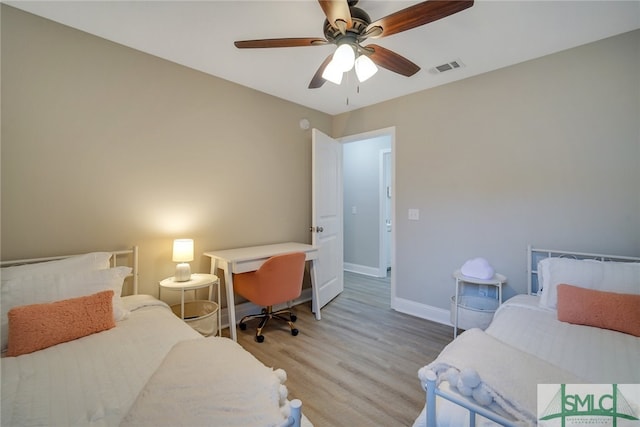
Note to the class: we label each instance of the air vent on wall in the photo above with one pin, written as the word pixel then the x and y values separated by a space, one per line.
pixel 446 67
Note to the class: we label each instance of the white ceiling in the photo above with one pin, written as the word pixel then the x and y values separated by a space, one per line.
pixel 200 34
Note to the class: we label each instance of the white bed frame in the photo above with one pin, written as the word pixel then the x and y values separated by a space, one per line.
pixel 534 255
pixel 125 257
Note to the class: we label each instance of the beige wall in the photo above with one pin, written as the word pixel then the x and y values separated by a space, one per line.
pixel 546 152
pixel 104 147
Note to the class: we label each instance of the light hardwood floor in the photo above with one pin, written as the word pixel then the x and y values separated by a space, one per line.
pixel 358 366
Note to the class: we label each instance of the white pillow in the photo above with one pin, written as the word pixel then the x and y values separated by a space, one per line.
pixel 85 262
pixel 41 288
pixel 610 276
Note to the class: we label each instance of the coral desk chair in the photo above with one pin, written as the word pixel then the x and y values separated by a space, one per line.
pixel 277 281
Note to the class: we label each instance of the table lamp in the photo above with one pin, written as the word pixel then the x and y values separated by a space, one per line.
pixel 182 254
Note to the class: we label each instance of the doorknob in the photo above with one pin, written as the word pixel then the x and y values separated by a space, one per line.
pixel 316 229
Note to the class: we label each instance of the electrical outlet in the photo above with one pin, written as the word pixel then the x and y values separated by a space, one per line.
pixel 483 290
pixel 414 214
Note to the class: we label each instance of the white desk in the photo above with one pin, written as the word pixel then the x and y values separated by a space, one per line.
pixel 242 260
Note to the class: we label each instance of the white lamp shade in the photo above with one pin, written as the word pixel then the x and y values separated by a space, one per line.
pixel 183 250
pixel 344 57
pixel 365 68
pixel 332 73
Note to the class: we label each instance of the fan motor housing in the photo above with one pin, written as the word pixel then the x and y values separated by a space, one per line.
pixel 360 20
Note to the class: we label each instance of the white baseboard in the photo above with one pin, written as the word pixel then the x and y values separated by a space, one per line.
pixel 247 308
pixel 422 311
pixel 363 269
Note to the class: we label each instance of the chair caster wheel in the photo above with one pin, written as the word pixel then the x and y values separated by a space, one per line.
pixel 260 338
pixel 294 332
pixel 294 317
pixel 243 326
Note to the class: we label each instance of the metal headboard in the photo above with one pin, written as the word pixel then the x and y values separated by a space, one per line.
pixel 125 257
pixel 534 255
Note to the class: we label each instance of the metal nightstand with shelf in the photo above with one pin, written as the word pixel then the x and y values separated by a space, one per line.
pixel 480 315
pixel 197 313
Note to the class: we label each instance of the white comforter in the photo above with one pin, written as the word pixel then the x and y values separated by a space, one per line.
pixel 222 390
pixel 91 381
pixel 600 356
pixel 591 354
pixel 94 381
pixel 476 353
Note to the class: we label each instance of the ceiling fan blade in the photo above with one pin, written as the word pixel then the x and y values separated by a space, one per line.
pixel 317 80
pixel 337 13
pixel 391 60
pixel 289 42
pixel 417 15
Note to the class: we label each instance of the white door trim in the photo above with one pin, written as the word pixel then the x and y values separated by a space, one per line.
pixel 382 202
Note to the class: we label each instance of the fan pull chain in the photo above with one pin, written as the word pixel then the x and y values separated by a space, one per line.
pixel 357 91
pixel 348 85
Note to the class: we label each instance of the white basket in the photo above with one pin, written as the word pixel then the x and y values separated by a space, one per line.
pixel 201 315
pixel 473 311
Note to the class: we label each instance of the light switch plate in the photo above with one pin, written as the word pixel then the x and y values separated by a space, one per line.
pixel 414 214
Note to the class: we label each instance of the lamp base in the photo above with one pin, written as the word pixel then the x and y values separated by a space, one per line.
pixel 183 272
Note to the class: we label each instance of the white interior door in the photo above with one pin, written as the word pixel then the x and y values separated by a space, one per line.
pixel 326 215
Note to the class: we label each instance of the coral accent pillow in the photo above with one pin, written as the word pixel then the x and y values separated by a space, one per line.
pixel 38 326
pixel 45 288
pixel 607 310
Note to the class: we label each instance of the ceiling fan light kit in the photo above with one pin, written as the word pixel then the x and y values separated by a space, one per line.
pixel 365 68
pixel 347 26
pixel 333 73
pixel 344 57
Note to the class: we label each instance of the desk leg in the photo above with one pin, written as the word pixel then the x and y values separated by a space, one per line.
pixel 315 293
pixel 231 304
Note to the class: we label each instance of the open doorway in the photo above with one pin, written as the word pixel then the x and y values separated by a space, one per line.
pixel 368 203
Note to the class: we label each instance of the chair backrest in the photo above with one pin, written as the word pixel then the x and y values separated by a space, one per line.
pixel 278 280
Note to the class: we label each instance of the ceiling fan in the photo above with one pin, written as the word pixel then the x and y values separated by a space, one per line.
pixel 347 26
